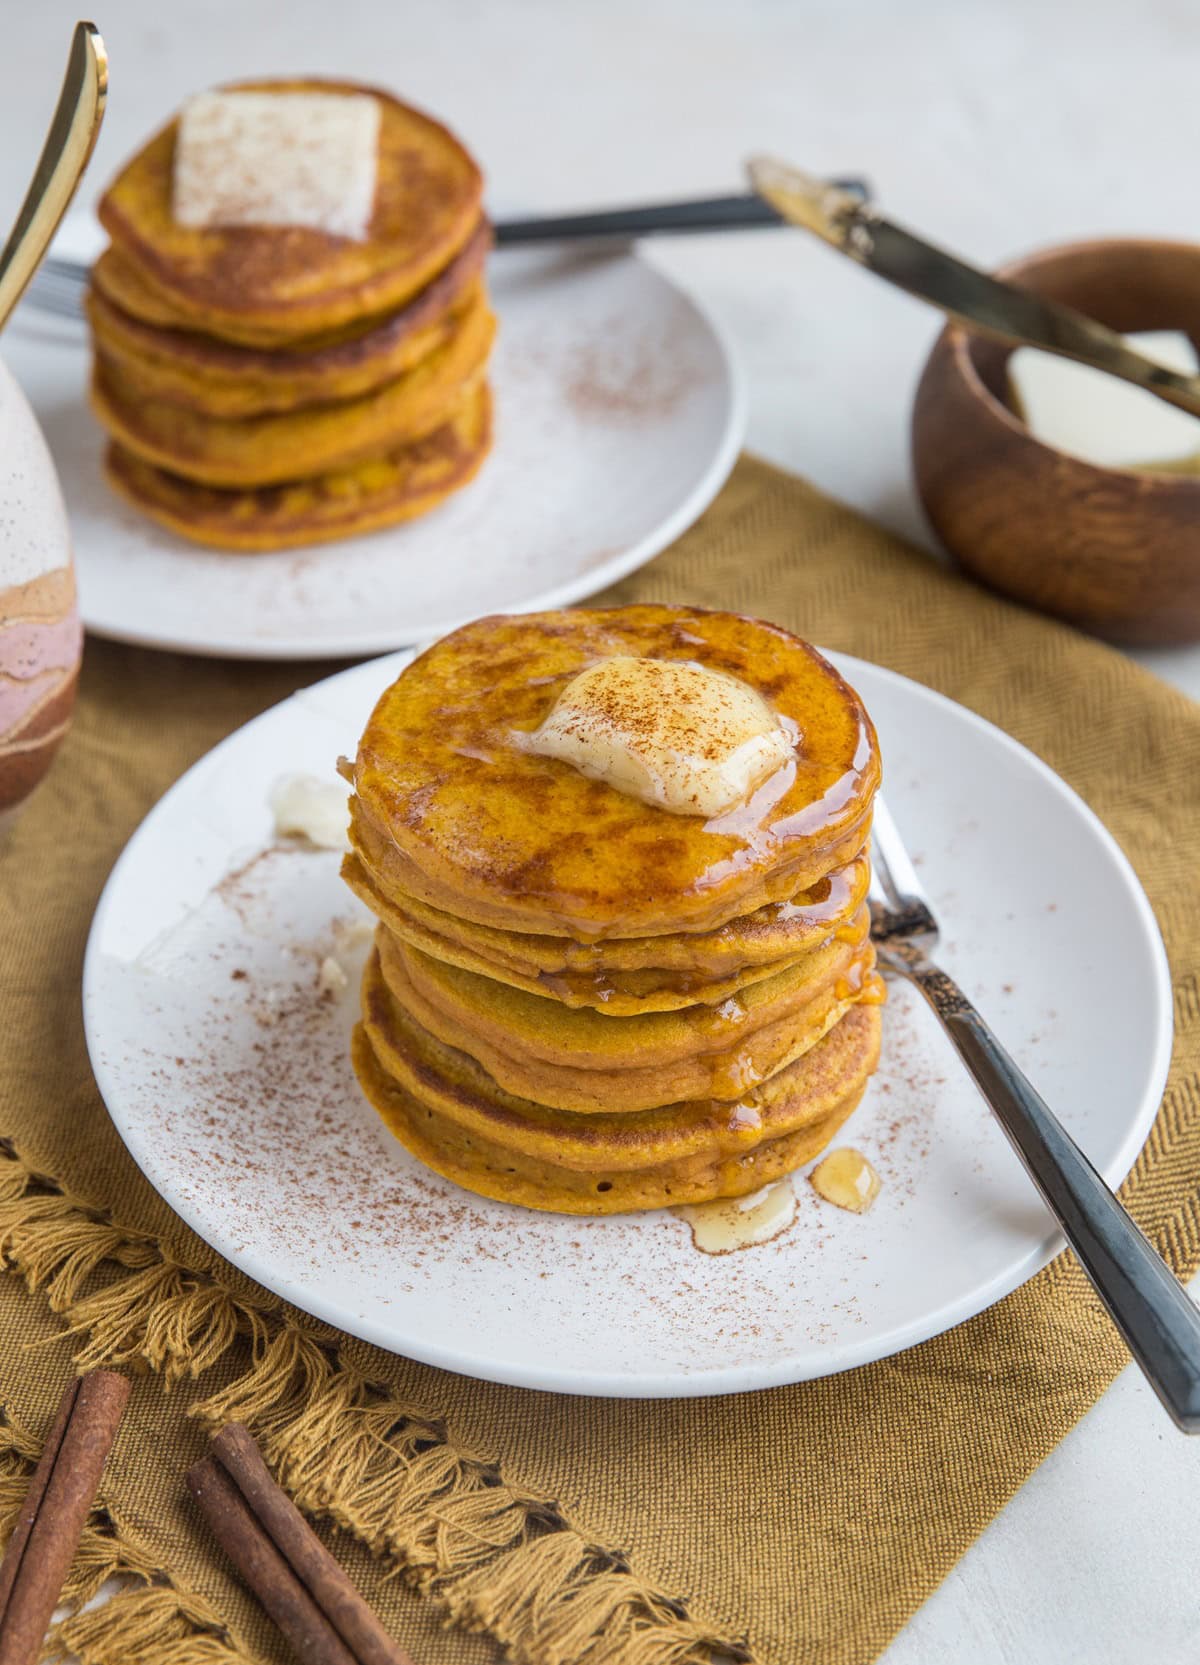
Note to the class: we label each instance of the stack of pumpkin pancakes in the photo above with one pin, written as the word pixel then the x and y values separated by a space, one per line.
pixel 268 386
pixel 583 1002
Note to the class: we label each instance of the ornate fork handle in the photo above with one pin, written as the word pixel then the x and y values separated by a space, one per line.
pixel 1152 1310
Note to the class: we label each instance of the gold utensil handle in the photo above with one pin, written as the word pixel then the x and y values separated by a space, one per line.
pixel 65 155
pixel 984 304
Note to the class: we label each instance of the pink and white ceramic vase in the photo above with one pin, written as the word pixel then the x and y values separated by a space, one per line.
pixel 41 640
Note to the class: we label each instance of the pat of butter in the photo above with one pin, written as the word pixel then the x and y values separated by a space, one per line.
pixel 673 733
pixel 306 807
pixel 1099 419
pixel 277 159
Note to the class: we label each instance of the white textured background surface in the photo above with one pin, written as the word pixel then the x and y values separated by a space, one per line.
pixel 994 128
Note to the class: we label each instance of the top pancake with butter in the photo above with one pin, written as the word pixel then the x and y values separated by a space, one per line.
pixel 269 284
pixel 488 829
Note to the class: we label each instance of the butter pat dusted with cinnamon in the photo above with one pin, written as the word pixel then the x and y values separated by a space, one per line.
pixel 673 733
pixel 277 159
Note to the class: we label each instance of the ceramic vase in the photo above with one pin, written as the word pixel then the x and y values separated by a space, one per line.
pixel 40 635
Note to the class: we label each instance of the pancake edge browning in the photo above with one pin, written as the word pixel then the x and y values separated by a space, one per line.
pixel 615 990
pixel 767 937
pixel 232 453
pixel 349 503
pixel 218 379
pixel 460 1089
pixel 727 1075
pixel 507 1176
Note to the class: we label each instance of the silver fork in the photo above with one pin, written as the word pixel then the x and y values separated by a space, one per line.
pixel 1152 1310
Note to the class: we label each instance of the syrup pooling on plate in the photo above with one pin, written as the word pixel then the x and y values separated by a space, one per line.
pixel 721 1227
pixel 846 1179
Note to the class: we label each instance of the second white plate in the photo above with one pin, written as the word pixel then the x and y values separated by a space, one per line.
pixel 226 1069
pixel 619 414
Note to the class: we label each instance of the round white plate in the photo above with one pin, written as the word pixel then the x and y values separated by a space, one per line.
pixel 226 1072
pixel 619 414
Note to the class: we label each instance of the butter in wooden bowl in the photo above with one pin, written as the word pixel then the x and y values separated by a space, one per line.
pixel 1078 495
pixel 1102 420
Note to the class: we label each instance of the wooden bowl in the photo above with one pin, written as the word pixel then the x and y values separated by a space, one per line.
pixel 1114 551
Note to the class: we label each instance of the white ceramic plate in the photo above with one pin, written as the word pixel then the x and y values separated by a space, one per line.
pixel 227 1075
pixel 618 417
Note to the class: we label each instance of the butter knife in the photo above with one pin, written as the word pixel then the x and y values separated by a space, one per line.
pixel 986 305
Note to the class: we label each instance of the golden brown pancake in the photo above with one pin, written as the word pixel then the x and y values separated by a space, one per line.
pixel 121 283
pixel 410 481
pixel 484 829
pixel 565 966
pixel 219 379
pixel 498 1171
pixel 275 285
pixel 584 1061
pixel 454 1085
pixel 579 1001
pixel 618 975
pixel 268 450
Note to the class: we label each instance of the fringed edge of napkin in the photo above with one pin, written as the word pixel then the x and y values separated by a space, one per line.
pixel 148 1620
pixel 493 1558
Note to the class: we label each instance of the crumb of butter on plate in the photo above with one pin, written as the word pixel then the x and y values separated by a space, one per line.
pixel 305 807
pixel 277 159
pixel 332 981
pixel 1102 420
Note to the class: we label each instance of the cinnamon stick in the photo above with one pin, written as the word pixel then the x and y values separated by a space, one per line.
pixel 14 1550
pixel 263 1568
pixel 291 1572
pixel 61 1492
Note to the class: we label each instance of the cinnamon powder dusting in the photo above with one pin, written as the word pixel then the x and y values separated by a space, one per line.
pixel 253 1123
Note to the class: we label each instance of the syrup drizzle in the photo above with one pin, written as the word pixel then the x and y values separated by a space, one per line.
pixel 846 1179
pixel 731 1223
